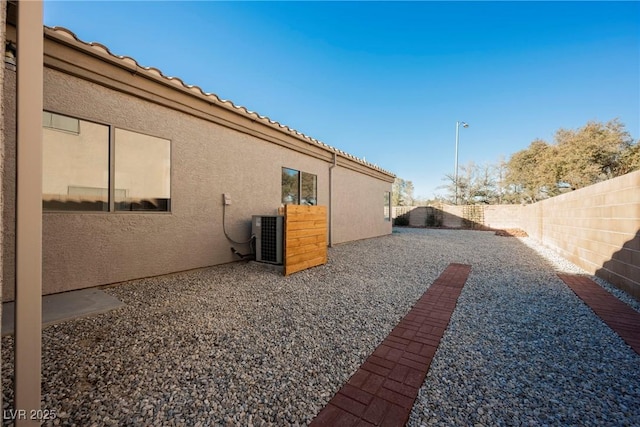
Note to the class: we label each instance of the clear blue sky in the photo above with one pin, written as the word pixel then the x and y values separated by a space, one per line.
pixel 387 81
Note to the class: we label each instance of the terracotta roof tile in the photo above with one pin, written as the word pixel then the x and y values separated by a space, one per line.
pixel 131 62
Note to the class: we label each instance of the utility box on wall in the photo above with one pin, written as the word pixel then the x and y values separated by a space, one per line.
pixel 269 233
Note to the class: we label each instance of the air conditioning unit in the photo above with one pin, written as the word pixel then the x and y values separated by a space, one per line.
pixel 269 234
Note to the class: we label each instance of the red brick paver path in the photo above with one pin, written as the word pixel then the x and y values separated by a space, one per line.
pixel 384 388
pixel 624 320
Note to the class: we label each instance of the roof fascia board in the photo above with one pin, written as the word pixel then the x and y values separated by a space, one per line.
pixel 67 54
pixel 132 85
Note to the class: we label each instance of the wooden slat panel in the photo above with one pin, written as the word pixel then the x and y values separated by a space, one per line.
pixel 307 225
pixel 300 258
pixel 306 247
pixel 304 209
pixel 305 265
pixel 305 237
pixel 307 240
pixel 310 217
pixel 313 250
pixel 294 234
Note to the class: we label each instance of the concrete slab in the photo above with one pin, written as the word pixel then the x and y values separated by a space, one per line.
pixel 58 308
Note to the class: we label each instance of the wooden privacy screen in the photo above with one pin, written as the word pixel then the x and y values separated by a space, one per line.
pixel 305 235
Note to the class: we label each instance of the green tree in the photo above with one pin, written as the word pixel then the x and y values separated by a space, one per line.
pixel 402 193
pixel 532 173
pixel 577 158
pixel 630 159
pixel 592 153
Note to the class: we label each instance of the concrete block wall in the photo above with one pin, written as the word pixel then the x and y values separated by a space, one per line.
pixel 493 216
pixel 502 216
pixel 596 228
pixel 397 211
pixel 452 216
pixel 418 216
pixel 531 220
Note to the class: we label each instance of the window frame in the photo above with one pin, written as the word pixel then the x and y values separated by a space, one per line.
pixel 112 173
pixel 106 151
pixel 387 205
pixel 111 209
pixel 300 175
pixel 315 188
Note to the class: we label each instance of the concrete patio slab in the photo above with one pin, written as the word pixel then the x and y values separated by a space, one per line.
pixel 64 306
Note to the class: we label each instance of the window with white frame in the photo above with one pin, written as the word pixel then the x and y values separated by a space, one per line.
pixel 83 172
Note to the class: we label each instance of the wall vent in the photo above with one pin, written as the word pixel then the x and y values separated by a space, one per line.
pixel 269 234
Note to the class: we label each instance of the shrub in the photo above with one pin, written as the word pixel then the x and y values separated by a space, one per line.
pixel 402 220
pixel 433 220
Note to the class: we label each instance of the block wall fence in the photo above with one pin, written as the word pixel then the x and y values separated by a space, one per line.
pixel 596 227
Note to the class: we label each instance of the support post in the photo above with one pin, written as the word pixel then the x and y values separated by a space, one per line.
pixel 28 299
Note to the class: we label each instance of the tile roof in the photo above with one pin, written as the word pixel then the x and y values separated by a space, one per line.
pixel 212 97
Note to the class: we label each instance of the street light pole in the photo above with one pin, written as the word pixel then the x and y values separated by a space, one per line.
pixel 464 125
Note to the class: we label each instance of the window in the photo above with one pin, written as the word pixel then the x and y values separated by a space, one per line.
pixel 308 189
pixel 142 172
pixel 290 183
pixel 75 158
pixel 82 172
pixel 387 206
pixel 299 188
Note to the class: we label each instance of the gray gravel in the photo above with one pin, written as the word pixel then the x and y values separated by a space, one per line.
pixel 523 350
pixel 241 345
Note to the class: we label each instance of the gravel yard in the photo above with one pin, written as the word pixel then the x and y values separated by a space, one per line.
pixel 240 344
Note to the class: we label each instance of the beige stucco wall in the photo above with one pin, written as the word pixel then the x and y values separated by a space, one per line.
pixel 84 249
pixel 358 206
pixel 95 248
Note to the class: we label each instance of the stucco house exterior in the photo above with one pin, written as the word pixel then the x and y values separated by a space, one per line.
pixel 110 171
pixel 135 165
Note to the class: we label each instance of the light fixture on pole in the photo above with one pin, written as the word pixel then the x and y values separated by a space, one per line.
pixel 464 125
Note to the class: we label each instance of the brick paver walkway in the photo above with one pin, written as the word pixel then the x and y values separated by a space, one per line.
pixel 624 320
pixel 384 388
